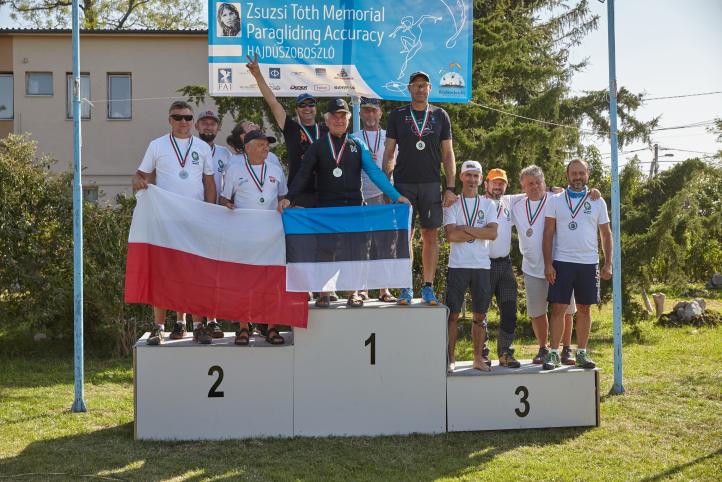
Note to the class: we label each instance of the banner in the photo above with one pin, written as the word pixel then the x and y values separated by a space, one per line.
pixel 334 48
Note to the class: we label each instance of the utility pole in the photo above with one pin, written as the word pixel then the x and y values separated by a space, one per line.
pixel 654 167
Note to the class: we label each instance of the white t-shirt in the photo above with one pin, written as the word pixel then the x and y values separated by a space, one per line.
pixel 161 158
pixel 576 238
pixel 474 254
pixel 368 188
pixel 220 160
pixel 240 186
pixel 531 235
pixel 501 246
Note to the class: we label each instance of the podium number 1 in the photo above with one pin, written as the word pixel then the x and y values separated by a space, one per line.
pixel 213 393
pixel 524 392
pixel 371 340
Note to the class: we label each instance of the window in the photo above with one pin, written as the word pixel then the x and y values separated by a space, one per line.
pixel 90 194
pixel 119 95
pixel 6 96
pixel 39 83
pixel 84 94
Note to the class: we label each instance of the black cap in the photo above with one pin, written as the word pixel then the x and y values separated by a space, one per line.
pixel 253 135
pixel 419 73
pixel 337 105
pixel 304 97
pixel 368 101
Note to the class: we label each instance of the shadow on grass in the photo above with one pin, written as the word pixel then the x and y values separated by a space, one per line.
pixel 680 467
pixel 113 453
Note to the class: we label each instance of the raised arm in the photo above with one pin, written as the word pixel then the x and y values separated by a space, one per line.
pixel 279 113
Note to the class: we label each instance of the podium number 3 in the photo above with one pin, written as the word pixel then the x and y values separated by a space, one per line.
pixel 213 393
pixel 371 340
pixel 524 392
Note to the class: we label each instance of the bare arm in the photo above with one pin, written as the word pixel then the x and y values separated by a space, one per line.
pixel 209 188
pixel 389 161
pixel 449 160
pixel 279 113
pixel 550 226
pixel 487 232
pixel 457 234
pixel 142 179
pixel 226 202
pixel 607 247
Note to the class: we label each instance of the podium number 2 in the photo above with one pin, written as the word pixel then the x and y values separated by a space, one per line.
pixel 371 340
pixel 213 393
pixel 524 392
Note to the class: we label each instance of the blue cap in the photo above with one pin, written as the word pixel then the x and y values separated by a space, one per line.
pixel 304 97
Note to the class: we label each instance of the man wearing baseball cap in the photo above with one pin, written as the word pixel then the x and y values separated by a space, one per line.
pixel 299 134
pixel 338 159
pixel 423 135
pixel 469 223
pixel 207 125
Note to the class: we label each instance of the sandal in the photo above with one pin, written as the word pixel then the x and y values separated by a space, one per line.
pixel 388 298
pixel 274 337
pixel 355 301
pixel 323 302
pixel 364 296
pixel 243 337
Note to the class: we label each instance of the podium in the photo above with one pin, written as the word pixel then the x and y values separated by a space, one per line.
pixel 376 370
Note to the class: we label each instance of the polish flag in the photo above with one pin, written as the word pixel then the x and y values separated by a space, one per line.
pixel 194 257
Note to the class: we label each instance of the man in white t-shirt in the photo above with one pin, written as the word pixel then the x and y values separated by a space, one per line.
pixel 469 223
pixel 255 184
pixel 207 126
pixel 179 163
pixel 571 260
pixel 236 138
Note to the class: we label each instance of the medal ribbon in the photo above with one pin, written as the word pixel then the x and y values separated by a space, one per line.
pixel 312 139
pixel 575 209
pixel 258 182
pixel 535 215
pixel 419 132
pixel 337 157
pixel 177 150
pixel 213 150
pixel 375 149
pixel 499 207
pixel 470 218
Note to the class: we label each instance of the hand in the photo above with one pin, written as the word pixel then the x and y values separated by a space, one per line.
pixel 229 205
pixel 550 274
pixel 253 66
pixel 449 198
pixel 557 189
pixel 283 204
pixel 139 183
pixel 594 194
pixel 403 200
pixel 606 272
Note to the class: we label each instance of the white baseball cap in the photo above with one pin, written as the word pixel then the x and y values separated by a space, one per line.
pixel 471 166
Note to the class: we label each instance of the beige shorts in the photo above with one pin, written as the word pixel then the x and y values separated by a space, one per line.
pixel 536 297
pixel 375 201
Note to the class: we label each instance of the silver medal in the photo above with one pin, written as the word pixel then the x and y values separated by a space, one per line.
pixel 337 172
pixel 529 232
pixel 471 241
pixel 261 200
pixel 183 174
pixel 573 225
pixel 420 145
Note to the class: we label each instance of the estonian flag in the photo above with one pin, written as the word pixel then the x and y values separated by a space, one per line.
pixel 348 248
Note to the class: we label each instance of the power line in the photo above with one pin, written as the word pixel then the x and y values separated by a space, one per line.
pixel 683 95
pixel 586 131
pixel 686 126
pixel 685 150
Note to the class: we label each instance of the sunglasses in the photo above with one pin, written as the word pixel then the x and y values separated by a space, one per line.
pixel 180 117
pixel 419 85
pixel 306 104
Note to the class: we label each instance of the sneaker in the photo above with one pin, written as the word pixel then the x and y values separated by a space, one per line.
pixel 179 331
pixel 507 359
pixel 485 354
pixel 551 361
pixel 427 294
pixel 541 355
pixel 567 358
pixel 583 360
pixel 156 336
pixel 407 294
pixel 215 329
pixel 202 335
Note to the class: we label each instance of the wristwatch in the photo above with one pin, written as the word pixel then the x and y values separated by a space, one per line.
pixel 452 189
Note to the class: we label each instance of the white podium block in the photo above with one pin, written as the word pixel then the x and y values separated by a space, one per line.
pixel 376 370
pixel 187 391
pixel 525 397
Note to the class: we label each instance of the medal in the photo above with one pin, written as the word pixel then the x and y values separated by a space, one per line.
pixel 182 161
pixel 261 201
pixel 532 217
pixel 376 144
pixel 574 209
pixel 420 131
pixel 337 156
pixel 470 217
pixel 573 225
pixel 308 134
pixel 258 182
pixel 529 232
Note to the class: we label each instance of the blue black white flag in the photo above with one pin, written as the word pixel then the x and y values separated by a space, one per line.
pixel 348 248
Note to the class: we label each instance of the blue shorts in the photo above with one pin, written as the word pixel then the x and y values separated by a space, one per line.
pixel 580 279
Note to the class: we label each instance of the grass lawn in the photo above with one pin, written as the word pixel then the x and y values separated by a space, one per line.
pixel 667 426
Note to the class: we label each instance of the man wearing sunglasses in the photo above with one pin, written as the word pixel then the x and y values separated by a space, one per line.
pixel 180 163
pixel 299 134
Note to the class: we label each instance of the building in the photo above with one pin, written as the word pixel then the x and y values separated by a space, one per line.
pixel 130 77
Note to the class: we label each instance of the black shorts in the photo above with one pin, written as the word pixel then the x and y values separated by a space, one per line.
pixel 580 279
pixel 459 279
pixel 425 198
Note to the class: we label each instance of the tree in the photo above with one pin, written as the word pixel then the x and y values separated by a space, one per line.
pixel 110 14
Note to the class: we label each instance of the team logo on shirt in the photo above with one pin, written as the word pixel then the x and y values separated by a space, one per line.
pixel 353 148
pixel 220 166
pixel 242 180
pixel 272 179
pixel 507 214
pixel 587 207
pixel 480 218
pixel 194 155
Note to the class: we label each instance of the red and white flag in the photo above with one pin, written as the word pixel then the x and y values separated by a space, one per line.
pixel 194 257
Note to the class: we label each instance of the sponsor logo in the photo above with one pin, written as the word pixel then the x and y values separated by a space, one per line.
pixel 343 75
pixel 274 72
pixel 452 79
pixel 299 87
pixel 274 86
pixel 225 75
pixel 248 86
pixel 320 72
pixel 344 87
pixel 321 87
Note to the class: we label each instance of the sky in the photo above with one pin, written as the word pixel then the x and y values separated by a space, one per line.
pixel 664 48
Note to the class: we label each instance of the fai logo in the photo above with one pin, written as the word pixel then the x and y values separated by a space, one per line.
pixel 274 72
pixel 224 78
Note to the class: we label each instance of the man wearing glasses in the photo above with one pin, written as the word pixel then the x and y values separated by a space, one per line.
pixel 299 134
pixel 180 163
pixel 423 135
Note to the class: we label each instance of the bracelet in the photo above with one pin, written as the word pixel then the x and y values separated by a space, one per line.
pixel 452 189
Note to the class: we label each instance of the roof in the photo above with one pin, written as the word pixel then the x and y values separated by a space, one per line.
pixel 67 31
